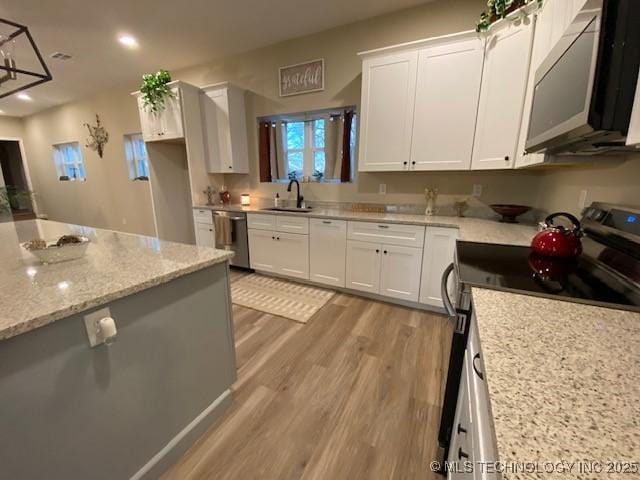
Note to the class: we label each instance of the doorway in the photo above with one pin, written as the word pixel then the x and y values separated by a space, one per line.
pixel 16 197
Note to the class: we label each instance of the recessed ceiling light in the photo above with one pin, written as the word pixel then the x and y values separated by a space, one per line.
pixel 24 96
pixel 128 41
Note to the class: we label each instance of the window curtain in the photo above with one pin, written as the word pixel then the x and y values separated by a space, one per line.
pixel 276 152
pixel 338 147
pixel 264 151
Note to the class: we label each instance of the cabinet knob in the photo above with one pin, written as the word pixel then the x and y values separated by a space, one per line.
pixel 377 251
pixel 506 158
pixel 404 163
pixel 413 163
pixel 211 229
pixel 385 252
pixel 230 167
pixel 273 238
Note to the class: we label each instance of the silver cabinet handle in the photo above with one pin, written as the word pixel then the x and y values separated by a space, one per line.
pixel 448 306
pixel 475 369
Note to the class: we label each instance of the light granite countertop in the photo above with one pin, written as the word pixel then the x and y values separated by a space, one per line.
pixel 471 229
pixel 564 381
pixel 116 265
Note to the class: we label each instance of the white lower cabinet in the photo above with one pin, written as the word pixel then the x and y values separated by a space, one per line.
pixel 292 255
pixel 388 270
pixel 283 253
pixel 205 235
pixel 328 251
pixel 439 251
pixel 363 266
pixel 400 272
pixel 262 250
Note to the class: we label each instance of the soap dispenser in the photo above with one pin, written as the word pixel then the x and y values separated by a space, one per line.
pixel 276 201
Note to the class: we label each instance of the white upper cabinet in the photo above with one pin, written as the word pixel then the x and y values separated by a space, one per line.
pixel 502 94
pixel 165 125
pixel 224 118
pixel 541 46
pixel 446 104
pixel 388 94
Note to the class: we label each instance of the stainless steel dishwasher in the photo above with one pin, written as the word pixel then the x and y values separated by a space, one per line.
pixel 231 234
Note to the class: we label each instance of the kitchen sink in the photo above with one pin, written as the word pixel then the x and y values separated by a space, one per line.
pixel 288 210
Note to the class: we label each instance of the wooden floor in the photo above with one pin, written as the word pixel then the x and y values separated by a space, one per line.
pixel 353 394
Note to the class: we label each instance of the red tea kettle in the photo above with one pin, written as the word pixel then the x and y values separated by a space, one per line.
pixel 556 240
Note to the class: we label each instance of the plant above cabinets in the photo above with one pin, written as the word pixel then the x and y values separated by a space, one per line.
pixel 155 91
pixel 498 9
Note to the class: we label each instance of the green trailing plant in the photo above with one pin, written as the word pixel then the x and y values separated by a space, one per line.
pixel 497 9
pixel 155 91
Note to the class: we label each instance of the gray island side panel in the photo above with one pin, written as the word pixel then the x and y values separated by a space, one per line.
pixel 70 411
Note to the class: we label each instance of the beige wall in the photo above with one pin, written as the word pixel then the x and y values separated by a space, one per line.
pixel 107 199
pixel 109 196
pixel 607 181
pixel 11 127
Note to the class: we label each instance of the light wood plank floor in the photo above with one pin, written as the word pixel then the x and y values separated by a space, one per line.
pixel 353 394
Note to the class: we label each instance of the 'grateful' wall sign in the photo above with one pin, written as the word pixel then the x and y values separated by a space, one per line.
pixel 302 78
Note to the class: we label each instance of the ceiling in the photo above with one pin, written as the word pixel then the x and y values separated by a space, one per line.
pixel 170 35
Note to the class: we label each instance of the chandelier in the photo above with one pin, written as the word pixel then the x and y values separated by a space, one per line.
pixel 21 64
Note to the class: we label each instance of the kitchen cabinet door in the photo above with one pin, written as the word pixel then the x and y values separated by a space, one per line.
pixel 328 251
pixel 171 117
pixel 223 109
pixel 292 255
pixel 205 235
pixel 541 47
pixel 388 95
pixel 363 266
pixel 502 94
pixel 446 105
pixel 400 272
pixel 165 125
pixel 439 250
pixel 263 250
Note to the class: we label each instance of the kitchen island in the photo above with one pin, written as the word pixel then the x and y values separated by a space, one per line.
pixel 129 409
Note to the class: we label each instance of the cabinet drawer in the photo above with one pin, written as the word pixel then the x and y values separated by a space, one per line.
pixel 387 233
pixel 290 224
pixel 261 221
pixel 201 215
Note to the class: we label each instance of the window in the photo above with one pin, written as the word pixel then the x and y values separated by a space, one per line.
pixel 135 153
pixel 308 146
pixel 68 160
pixel 304 148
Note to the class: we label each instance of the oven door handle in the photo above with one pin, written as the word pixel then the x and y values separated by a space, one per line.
pixel 448 306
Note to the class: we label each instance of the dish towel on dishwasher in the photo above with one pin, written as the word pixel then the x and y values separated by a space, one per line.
pixel 223 230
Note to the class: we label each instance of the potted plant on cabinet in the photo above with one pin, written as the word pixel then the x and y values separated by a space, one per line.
pixel 155 91
pixel 497 9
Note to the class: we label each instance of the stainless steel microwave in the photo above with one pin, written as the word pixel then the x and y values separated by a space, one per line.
pixel 585 88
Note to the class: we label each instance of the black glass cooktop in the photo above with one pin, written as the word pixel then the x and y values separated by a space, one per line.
pixel 601 276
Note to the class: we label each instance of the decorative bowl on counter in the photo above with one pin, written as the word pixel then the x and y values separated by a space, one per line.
pixel 509 212
pixel 67 247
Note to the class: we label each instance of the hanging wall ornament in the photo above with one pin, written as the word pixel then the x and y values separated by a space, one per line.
pixel 98 137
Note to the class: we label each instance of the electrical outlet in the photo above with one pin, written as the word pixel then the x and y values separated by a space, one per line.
pixel 477 190
pixel 92 324
pixel 582 200
pixel 382 189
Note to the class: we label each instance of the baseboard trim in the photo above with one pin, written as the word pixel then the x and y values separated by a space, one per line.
pixel 179 444
pixel 358 293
